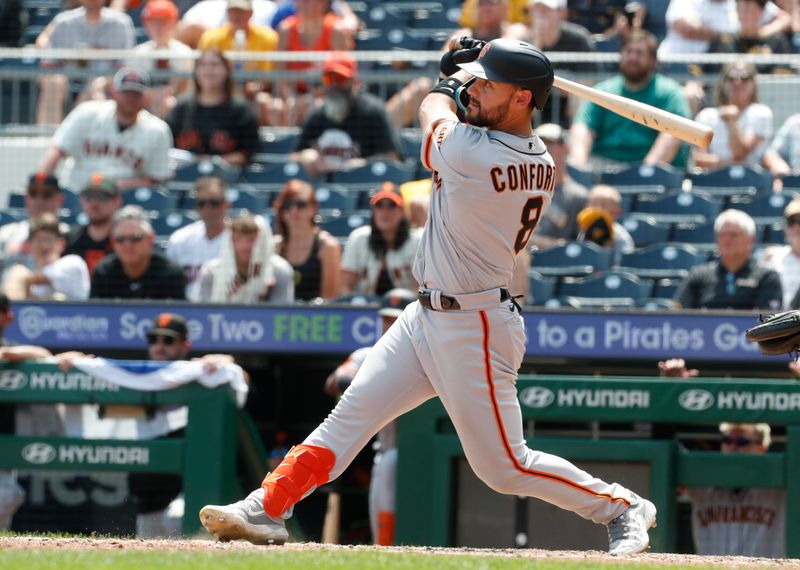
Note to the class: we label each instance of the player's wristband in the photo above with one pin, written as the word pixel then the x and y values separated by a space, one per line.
pixel 454 89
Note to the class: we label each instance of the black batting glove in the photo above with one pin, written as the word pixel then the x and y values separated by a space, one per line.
pixel 469 51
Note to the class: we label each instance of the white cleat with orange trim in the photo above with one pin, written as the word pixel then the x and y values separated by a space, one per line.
pixel 244 520
pixel 627 534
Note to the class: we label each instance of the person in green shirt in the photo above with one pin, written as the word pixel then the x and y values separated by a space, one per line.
pixel 600 138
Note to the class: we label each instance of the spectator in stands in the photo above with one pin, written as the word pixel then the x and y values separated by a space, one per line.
pixel 100 199
pixel 52 277
pixel 209 14
pixel 240 34
pixel 735 280
pixel 135 270
pixel 349 127
pixel 742 126
pixel 603 138
pixel 785 259
pixel 379 257
pixel 693 24
pixel 491 21
pixel 212 121
pixel 608 18
pixel 11 494
pixel 118 138
pixel 160 20
pixel 783 155
pixel 43 195
pixel 550 31
pixel 91 25
pixel 598 222
pixel 517 12
pixel 314 254
pixel 740 521
pixel 559 224
pixel 159 501
pixel 247 271
pixel 749 39
pixel 314 27
pixel 193 245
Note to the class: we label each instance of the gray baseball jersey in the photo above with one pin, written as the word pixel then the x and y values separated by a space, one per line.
pixel 479 177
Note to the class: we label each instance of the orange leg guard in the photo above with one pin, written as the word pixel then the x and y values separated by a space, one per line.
pixel 304 468
pixel 385 529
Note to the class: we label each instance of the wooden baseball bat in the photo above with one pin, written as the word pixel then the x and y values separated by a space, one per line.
pixel 644 114
pixel 330 527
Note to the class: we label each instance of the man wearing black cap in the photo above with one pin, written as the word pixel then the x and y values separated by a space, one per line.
pixel 42 196
pixel 119 138
pixel 11 494
pixel 100 199
pixel 381 486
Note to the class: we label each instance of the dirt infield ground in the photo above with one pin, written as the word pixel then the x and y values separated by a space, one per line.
pixel 88 544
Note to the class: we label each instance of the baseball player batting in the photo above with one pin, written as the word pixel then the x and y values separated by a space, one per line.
pixel 464 339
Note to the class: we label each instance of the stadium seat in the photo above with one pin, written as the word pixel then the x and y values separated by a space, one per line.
pixel 606 303
pixel 410 143
pixel 383 18
pixel 356 299
pixel 734 178
pixel 168 222
pixel 217 168
pixel 774 234
pixel 585 177
pixel 573 259
pixel 605 285
pixel 341 226
pixel 71 200
pixel 656 304
pixel 791 182
pixel 767 208
pixel 273 173
pixel 273 142
pixel 541 289
pixel 646 231
pixel 679 207
pixel 441 18
pixel 661 261
pixel 334 197
pixel 665 288
pixel 150 199
pixel 6 218
pixel 16 201
pixel 247 198
pixel 644 175
pixel 374 172
pixel 700 236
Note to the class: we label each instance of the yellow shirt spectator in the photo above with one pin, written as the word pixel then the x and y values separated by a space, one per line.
pixel 259 38
pixel 517 12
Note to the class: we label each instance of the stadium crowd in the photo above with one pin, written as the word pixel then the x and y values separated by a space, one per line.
pixel 159 181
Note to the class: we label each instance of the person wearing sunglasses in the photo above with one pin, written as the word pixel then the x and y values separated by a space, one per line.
pixel 100 199
pixel 740 521
pixel 134 270
pixel 742 126
pixel 349 127
pixel 735 280
pixel 193 245
pixel 785 259
pixel 379 256
pixel 43 195
pixel 315 255
pixel 159 502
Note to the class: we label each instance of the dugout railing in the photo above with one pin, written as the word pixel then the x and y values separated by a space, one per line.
pixel 428 445
pixel 205 457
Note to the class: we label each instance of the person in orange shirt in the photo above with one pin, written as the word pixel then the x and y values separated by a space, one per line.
pixel 239 34
pixel 517 12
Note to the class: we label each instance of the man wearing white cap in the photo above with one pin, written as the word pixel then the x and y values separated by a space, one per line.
pixel 118 138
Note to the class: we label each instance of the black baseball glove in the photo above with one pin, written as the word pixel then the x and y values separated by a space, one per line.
pixel 777 334
pixel 469 51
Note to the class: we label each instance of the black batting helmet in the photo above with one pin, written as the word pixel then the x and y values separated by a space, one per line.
pixel 515 62
pixel 394 301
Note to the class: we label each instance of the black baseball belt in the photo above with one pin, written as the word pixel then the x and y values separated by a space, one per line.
pixel 450 303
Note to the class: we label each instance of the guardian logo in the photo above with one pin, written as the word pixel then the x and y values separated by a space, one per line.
pixel 11 380
pixel 537 397
pixel 38 453
pixel 696 400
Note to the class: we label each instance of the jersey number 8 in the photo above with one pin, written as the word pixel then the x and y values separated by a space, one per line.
pixel 530 217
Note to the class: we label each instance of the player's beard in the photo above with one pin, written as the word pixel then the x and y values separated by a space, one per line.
pixel 488 118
